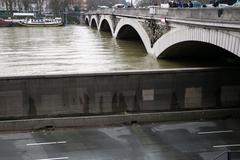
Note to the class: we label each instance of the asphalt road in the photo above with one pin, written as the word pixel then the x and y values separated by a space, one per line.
pixel 198 140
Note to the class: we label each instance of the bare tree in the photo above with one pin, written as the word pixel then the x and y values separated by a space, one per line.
pixel 9 5
pixel 26 4
pixel 19 4
pixel 40 5
pixel 54 5
pixel 58 6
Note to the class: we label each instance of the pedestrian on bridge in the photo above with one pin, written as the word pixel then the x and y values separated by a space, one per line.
pixel 190 4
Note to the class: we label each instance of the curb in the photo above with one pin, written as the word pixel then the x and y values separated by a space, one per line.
pixel 88 121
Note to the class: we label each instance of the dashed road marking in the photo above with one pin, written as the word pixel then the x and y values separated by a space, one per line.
pixel 226 145
pixel 60 158
pixel 46 143
pixel 215 132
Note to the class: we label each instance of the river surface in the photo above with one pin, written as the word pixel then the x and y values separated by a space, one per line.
pixel 73 50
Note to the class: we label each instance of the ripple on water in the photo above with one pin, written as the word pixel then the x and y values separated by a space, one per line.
pixel 71 49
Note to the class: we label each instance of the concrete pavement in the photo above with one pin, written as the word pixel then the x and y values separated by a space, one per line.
pixel 196 140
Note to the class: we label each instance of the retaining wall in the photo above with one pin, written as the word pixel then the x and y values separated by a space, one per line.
pixel 107 93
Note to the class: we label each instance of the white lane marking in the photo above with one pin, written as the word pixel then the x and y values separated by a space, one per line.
pixel 46 143
pixel 60 158
pixel 216 132
pixel 227 145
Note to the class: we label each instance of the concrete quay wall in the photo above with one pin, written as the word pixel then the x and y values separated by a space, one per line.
pixel 121 92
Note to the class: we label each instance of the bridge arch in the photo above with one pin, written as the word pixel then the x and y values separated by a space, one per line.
pixel 219 39
pixel 127 23
pixel 87 21
pixel 94 22
pixel 105 24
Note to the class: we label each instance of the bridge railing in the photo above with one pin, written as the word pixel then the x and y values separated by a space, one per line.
pixel 203 14
pixel 135 12
pixel 206 14
pixel 124 12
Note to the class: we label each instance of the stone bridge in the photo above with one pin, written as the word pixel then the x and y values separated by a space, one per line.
pixel 166 32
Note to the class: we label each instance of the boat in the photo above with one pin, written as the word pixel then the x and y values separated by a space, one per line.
pixel 55 22
pixel 4 23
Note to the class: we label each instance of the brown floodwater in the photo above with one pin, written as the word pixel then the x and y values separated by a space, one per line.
pixel 73 50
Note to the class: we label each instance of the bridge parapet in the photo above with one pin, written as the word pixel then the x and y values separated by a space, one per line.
pixel 203 14
pixel 206 14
